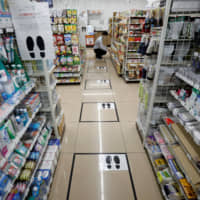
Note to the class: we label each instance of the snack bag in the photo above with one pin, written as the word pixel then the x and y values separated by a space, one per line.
pixel 67 28
pixel 74 12
pixel 69 51
pixel 63 60
pixel 75 50
pixel 68 39
pixel 58 51
pixel 76 60
pixel 69 12
pixel 73 28
pixel 69 60
pixel 75 39
pixel 54 28
pixel 60 39
pixel 60 28
pixel 63 50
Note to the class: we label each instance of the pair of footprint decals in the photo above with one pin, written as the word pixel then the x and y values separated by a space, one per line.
pixel 106 105
pixel 115 160
pixel 100 67
pixel 31 45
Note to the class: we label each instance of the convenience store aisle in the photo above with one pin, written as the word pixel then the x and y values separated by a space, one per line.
pixel 102 157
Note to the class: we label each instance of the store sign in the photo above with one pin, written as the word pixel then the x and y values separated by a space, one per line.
pixel 33 29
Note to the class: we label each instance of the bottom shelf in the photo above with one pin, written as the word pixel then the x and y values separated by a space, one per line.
pixel 155 173
pixel 69 81
pixel 131 80
pixel 140 129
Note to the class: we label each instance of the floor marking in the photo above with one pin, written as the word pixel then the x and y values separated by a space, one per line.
pixel 113 162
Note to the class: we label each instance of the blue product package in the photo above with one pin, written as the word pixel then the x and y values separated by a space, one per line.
pixel 44 174
pixel 34 126
pixel 54 142
pixel 35 191
pixel 4 181
pixel 175 169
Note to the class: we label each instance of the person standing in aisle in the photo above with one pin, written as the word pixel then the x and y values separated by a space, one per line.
pixel 99 47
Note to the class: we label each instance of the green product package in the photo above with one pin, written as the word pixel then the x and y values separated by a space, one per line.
pixel 10 129
pixel 141 91
pixel 146 100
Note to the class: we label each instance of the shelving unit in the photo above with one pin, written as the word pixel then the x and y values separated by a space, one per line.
pixel 119 32
pixel 31 114
pixel 8 107
pixel 134 62
pixel 46 86
pixel 36 167
pixel 174 72
pixel 26 157
pixel 66 36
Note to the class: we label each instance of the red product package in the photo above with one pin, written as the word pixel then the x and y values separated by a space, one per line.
pixel 60 39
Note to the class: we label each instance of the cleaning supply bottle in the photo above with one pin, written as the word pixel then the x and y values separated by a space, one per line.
pixel 6 82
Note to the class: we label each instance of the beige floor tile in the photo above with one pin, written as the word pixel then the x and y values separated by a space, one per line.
pixel 132 139
pixel 70 137
pixel 100 137
pixel 97 84
pixel 126 93
pixel 143 177
pixel 61 178
pixel 70 96
pixel 94 112
pixel 72 111
pixel 96 76
pixel 90 183
pixel 127 111
pixel 68 88
pixel 101 68
pixel 97 96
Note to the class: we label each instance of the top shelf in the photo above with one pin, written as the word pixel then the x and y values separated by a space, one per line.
pixel 7 108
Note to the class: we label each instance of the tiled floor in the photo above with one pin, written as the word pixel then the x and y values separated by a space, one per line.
pixel 79 175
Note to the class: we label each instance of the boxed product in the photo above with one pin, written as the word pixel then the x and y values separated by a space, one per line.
pixel 47 165
pixel 164 176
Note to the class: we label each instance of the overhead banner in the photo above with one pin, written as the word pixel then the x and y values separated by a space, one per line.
pixel 33 29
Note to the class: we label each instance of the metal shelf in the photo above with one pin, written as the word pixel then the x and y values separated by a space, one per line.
pixel 25 158
pixel 141 128
pixel 173 93
pixel 17 98
pixel 183 147
pixel 187 80
pixel 131 80
pixel 19 136
pixel 37 165
pixel 68 75
pixel 174 176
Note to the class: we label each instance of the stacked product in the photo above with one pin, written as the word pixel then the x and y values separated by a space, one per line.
pixel 26 158
pixel 171 178
pixel 43 176
pixel 66 41
pixel 133 64
pixel 175 132
pixel 119 32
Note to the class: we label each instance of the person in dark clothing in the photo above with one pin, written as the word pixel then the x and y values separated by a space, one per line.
pixel 99 48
